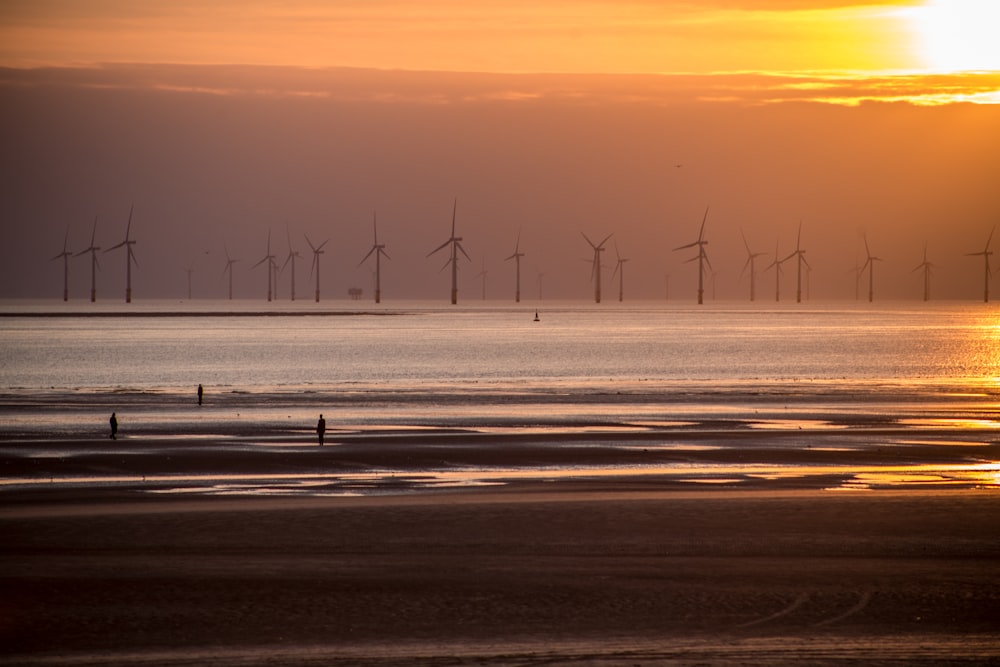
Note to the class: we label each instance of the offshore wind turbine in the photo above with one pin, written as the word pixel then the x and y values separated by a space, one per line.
pixel 620 270
pixel 129 257
pixel 189 269
pixel 702 257
pixel 94 265
pixel 516 256
pixel 926 266
pixel 870 265
pixel 482 274
pixel 751 257
pixel 986 252
pixel 378 249
pixel 801 255
pixel 271 264
pixel 456 245
pixel 777 272
pixel 595 266
pixel 292 254
pixel 229 269
pixel 65 254
pixel 316 251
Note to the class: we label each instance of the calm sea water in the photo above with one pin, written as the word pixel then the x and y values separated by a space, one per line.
pixel 255 346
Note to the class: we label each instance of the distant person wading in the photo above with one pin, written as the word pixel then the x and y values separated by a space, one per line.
pixel 114 426
pixel 201 392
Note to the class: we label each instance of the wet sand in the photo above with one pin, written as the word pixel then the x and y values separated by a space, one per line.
pixel 469 542
pixel 557 573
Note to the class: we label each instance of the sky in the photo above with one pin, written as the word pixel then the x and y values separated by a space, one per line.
pixel 831 124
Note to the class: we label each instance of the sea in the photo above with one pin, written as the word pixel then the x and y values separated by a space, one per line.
pixel 544 367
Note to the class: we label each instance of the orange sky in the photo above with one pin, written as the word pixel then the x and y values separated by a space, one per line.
pixel 224 120
pixel 641 36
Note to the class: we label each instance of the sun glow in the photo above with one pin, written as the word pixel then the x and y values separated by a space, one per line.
pixel 959 35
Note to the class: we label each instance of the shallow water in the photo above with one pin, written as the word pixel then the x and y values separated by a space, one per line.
pixel 847 377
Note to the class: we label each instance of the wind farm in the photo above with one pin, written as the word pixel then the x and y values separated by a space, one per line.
pixel 712 282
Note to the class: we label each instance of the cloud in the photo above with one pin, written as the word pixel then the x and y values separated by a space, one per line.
pixel 436 88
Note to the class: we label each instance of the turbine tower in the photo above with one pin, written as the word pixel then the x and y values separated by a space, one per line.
pixel 316 251
pixel 620 270
pixel 292 254
pixel 517 267
pixel 94 265
pixel 271 264
pixel 986 252
pixel 456 245
pixel 751 257
pixel 702 257
pixel 777 272
pixel 65 254
pixel 926 266
pixel 129 257
pixel 229 270
pixel 595 266
pixel 870 265
pixel 189 269
pixel 379 250
pixel 801 255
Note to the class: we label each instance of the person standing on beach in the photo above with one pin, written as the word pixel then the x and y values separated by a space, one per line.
pixel 321 429
pixel 114 426
pixel 200 392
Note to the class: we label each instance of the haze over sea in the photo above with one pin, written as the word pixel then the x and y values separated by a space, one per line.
pixel 663 374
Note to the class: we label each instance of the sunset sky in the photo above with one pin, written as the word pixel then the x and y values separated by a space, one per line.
pixel 223 120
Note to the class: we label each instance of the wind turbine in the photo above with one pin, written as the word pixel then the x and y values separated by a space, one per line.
pixel 986 252
pixel 926 266
pixel 316 251
pixel 229 270
pixel 777 272
pixel 189 269
pixel 751 257
pixel 94 265
pixel 517 267
pixel 702 257
pixel 620 270
pixel 801 254
pixel 271 264
pixel 129 257
pixel 65 254
pixel 482 274
pixel 292 254
pixel 595 266
pixel 456 244
pixel 870 265
pixel 379 249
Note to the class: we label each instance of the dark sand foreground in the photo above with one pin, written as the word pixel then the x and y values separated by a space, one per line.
pixel 529 574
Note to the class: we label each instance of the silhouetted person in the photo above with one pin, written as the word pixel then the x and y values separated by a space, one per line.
pixel 321 429
pixel 114 426
pixel 200 393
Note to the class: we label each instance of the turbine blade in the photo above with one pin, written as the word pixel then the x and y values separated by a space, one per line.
pixel 689 245
pixel 701 232
pixel 459 246
pixel 374 248
pixel 310 243
pixel 601 244
pixel 589 241
pixel 439 247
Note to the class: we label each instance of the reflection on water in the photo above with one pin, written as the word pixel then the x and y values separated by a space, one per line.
pixel 980 475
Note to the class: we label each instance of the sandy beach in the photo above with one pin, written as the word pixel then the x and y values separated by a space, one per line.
pixel 639 569
pixel 803 525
